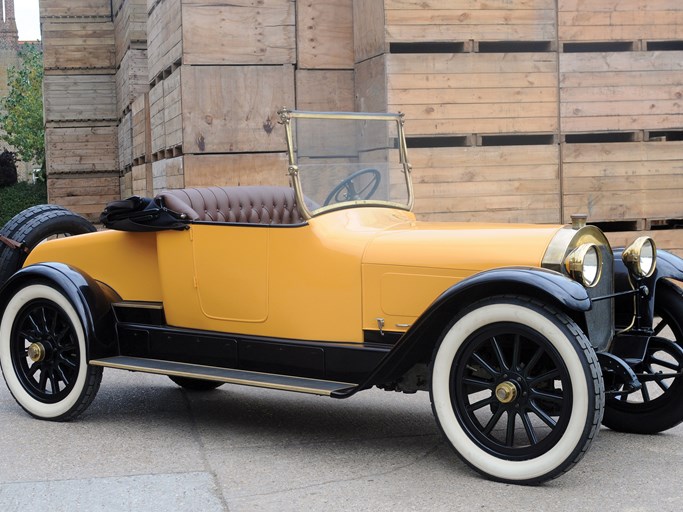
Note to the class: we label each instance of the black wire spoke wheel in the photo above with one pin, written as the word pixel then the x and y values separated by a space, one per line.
pixel 516 389
pixel 511 391
pixel 361 185
pixel 658 405
pixel 45 352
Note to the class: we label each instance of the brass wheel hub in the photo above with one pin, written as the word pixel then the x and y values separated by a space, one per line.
pixel 36 352
pixel 506 392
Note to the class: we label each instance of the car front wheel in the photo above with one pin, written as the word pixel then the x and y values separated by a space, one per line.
pixel 43 354
pixel 517 390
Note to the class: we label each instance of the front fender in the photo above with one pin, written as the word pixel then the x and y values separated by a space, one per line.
pixel 91 301
pixel 418 343
pixel 669 266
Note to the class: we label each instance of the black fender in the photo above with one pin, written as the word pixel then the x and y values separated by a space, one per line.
pixel 418 343
pixel 92 302
pixel 669 266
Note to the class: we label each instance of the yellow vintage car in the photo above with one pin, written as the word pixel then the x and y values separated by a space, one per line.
pixel 526 337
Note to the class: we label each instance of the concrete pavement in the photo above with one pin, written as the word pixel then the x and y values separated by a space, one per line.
pixel 145 444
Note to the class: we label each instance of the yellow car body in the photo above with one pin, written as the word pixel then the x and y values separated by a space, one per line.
pixel 524 335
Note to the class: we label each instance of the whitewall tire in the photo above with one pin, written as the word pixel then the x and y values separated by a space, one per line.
pixel 516 389
pixel 43 354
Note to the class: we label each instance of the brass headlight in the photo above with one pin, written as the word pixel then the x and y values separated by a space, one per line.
pixel 584 264
pixel 641 257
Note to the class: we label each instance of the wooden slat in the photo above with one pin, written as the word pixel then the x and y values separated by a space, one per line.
pixel 242 32
pixel 230 109
pixel 173 119
pixel 126 184
pixel 167 174
pixel 667 239
pixel 156 113
pixel 623 181
pixel 86 194
pixel 79 97
pixel 142 180
pixel 141 128
pixel 325 34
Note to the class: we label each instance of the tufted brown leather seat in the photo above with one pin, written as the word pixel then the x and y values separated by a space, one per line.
pixel 252 205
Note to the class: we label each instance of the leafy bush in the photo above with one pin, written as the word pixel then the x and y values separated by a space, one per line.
pixel 8 169
pixel 16 198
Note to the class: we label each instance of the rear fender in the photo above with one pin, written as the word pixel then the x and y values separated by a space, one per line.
pixel 418 343
pixel 91 300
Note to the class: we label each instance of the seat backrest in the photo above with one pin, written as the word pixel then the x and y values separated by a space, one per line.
pixel 251 205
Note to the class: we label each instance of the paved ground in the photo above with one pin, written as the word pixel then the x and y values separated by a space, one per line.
pixel 145 444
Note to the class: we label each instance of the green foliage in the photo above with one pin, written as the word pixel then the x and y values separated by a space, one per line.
pixel 8 169
pixel 19 197
pixel 22 109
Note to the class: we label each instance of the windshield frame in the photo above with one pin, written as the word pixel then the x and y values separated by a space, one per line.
pixel 286 117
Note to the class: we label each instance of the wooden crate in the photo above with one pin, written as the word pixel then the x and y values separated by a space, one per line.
pixel 619 20
pixel 621 91
pixel 459 93
pixel 141 128
pixel 85 194
pixel 125 141
pixel 378 23
pixel 79 44
pixel 173 115
pixel 164 37
pixel 131 79
pixel 130 27
pixel 142 180
pixel 325 34
pixel 233 109
pixel 623 181
pixel 242 33
pixel 81 149
pixel 234 170
pixel 71 8
pixel 487 184
pixel 79 98
pixel 325 90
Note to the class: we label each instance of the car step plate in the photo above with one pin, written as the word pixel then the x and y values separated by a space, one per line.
pixel 247 378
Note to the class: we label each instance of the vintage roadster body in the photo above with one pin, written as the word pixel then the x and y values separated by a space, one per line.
pixel 526 337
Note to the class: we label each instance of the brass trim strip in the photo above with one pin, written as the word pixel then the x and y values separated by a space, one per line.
pixel 262 383
pixel 139 305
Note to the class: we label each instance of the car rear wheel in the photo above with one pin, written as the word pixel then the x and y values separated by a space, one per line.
pixel 658 405
pixel 33 226
pixel 43 355
pixel 195 384
pixel 517 390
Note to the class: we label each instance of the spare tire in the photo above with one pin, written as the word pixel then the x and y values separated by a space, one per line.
pixel 33 226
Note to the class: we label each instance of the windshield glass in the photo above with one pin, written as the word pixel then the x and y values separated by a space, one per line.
pixel 349 159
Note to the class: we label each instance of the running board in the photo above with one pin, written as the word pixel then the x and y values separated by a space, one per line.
pixel 246 378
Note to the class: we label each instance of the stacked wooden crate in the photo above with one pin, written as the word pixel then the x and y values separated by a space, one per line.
pixel 80 104
pixel 130 28
pixel 478 84
pixel 622 116
pixel 218 73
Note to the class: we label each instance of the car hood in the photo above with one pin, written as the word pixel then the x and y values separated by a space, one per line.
pixel 468 246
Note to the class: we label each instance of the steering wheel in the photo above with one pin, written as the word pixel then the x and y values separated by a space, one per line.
pixel 346 190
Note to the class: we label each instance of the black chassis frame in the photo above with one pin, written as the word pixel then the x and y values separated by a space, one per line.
pixel 382 360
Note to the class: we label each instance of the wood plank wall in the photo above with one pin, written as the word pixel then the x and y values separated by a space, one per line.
pixel 80 104
pixel 523 111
